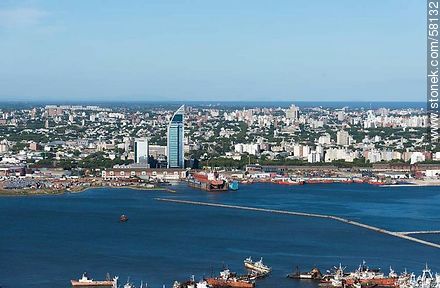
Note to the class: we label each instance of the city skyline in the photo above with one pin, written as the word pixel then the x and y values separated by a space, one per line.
pixel 178 143
pixel 208 51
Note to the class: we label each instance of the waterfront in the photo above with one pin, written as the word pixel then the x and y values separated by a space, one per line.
pixel 47 240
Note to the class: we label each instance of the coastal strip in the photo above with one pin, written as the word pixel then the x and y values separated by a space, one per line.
pixel 303 214
pixel 79 189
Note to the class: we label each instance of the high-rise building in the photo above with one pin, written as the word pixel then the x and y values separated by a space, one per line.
pixel 293 113
pixel 342 138
pixel 314 157
pixel 324 139
pixel 141 151
pixel 4 146
pixel 175 139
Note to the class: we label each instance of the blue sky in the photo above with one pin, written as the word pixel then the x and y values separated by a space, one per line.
pixel 289 50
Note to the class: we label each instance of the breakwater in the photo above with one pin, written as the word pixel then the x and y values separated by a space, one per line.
pixel 304 214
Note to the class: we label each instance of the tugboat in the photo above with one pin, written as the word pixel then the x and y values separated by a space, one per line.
pixel 258 267
pixel 123 218
pixel 228 279
pixel 86 282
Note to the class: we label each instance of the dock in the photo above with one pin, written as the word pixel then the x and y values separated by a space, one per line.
pixel 402 235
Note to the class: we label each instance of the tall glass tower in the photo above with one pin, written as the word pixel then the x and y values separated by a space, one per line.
pixel 175 135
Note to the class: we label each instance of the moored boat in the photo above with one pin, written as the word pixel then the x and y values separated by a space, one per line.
pixel 366 276
pixel 86 282
pixel 228 279
pixel 361 277
pixel 288 181
pixel 208 182
pixel 313 274
pixel 257 266
pixel 192 284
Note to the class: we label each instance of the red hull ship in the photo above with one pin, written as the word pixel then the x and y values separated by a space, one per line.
pixel 220 283
pixel 208 182
pixel 373 182
pixel 228 279
pixel 371 277
pixel 381 282
pixel 315 181
pixel 289 182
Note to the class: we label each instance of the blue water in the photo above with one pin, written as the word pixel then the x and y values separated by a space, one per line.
pixel 48 240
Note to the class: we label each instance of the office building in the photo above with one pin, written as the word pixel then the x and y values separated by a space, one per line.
pixel 175 135
pixel 141 151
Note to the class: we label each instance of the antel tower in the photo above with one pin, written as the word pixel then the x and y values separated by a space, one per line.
pixel 175 136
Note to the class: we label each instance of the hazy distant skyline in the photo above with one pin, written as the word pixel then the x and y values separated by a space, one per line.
pixel 213 50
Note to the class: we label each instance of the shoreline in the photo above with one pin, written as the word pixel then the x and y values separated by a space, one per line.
pixel 49 192
pixel 80 189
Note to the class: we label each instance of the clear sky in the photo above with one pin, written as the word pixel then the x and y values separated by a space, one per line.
pixel 292 50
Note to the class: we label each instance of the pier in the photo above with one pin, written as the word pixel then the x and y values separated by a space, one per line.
pixel 402 235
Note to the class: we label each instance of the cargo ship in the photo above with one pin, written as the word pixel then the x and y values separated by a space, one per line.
pixel 208 182
pixel 86 282
pixel 228 279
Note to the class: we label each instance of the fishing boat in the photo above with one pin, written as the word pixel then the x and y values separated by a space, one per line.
pixel 229 279
pixel 426 280
pixel 86 282
pixel 313 274
pixel 335 278
pixel 192 284
pixel 288 181
pixel 366 276
pixel 257 266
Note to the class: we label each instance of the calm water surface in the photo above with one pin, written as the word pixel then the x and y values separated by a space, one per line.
pixel 47 240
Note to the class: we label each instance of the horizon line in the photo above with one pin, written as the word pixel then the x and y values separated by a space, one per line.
pixel 213 101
